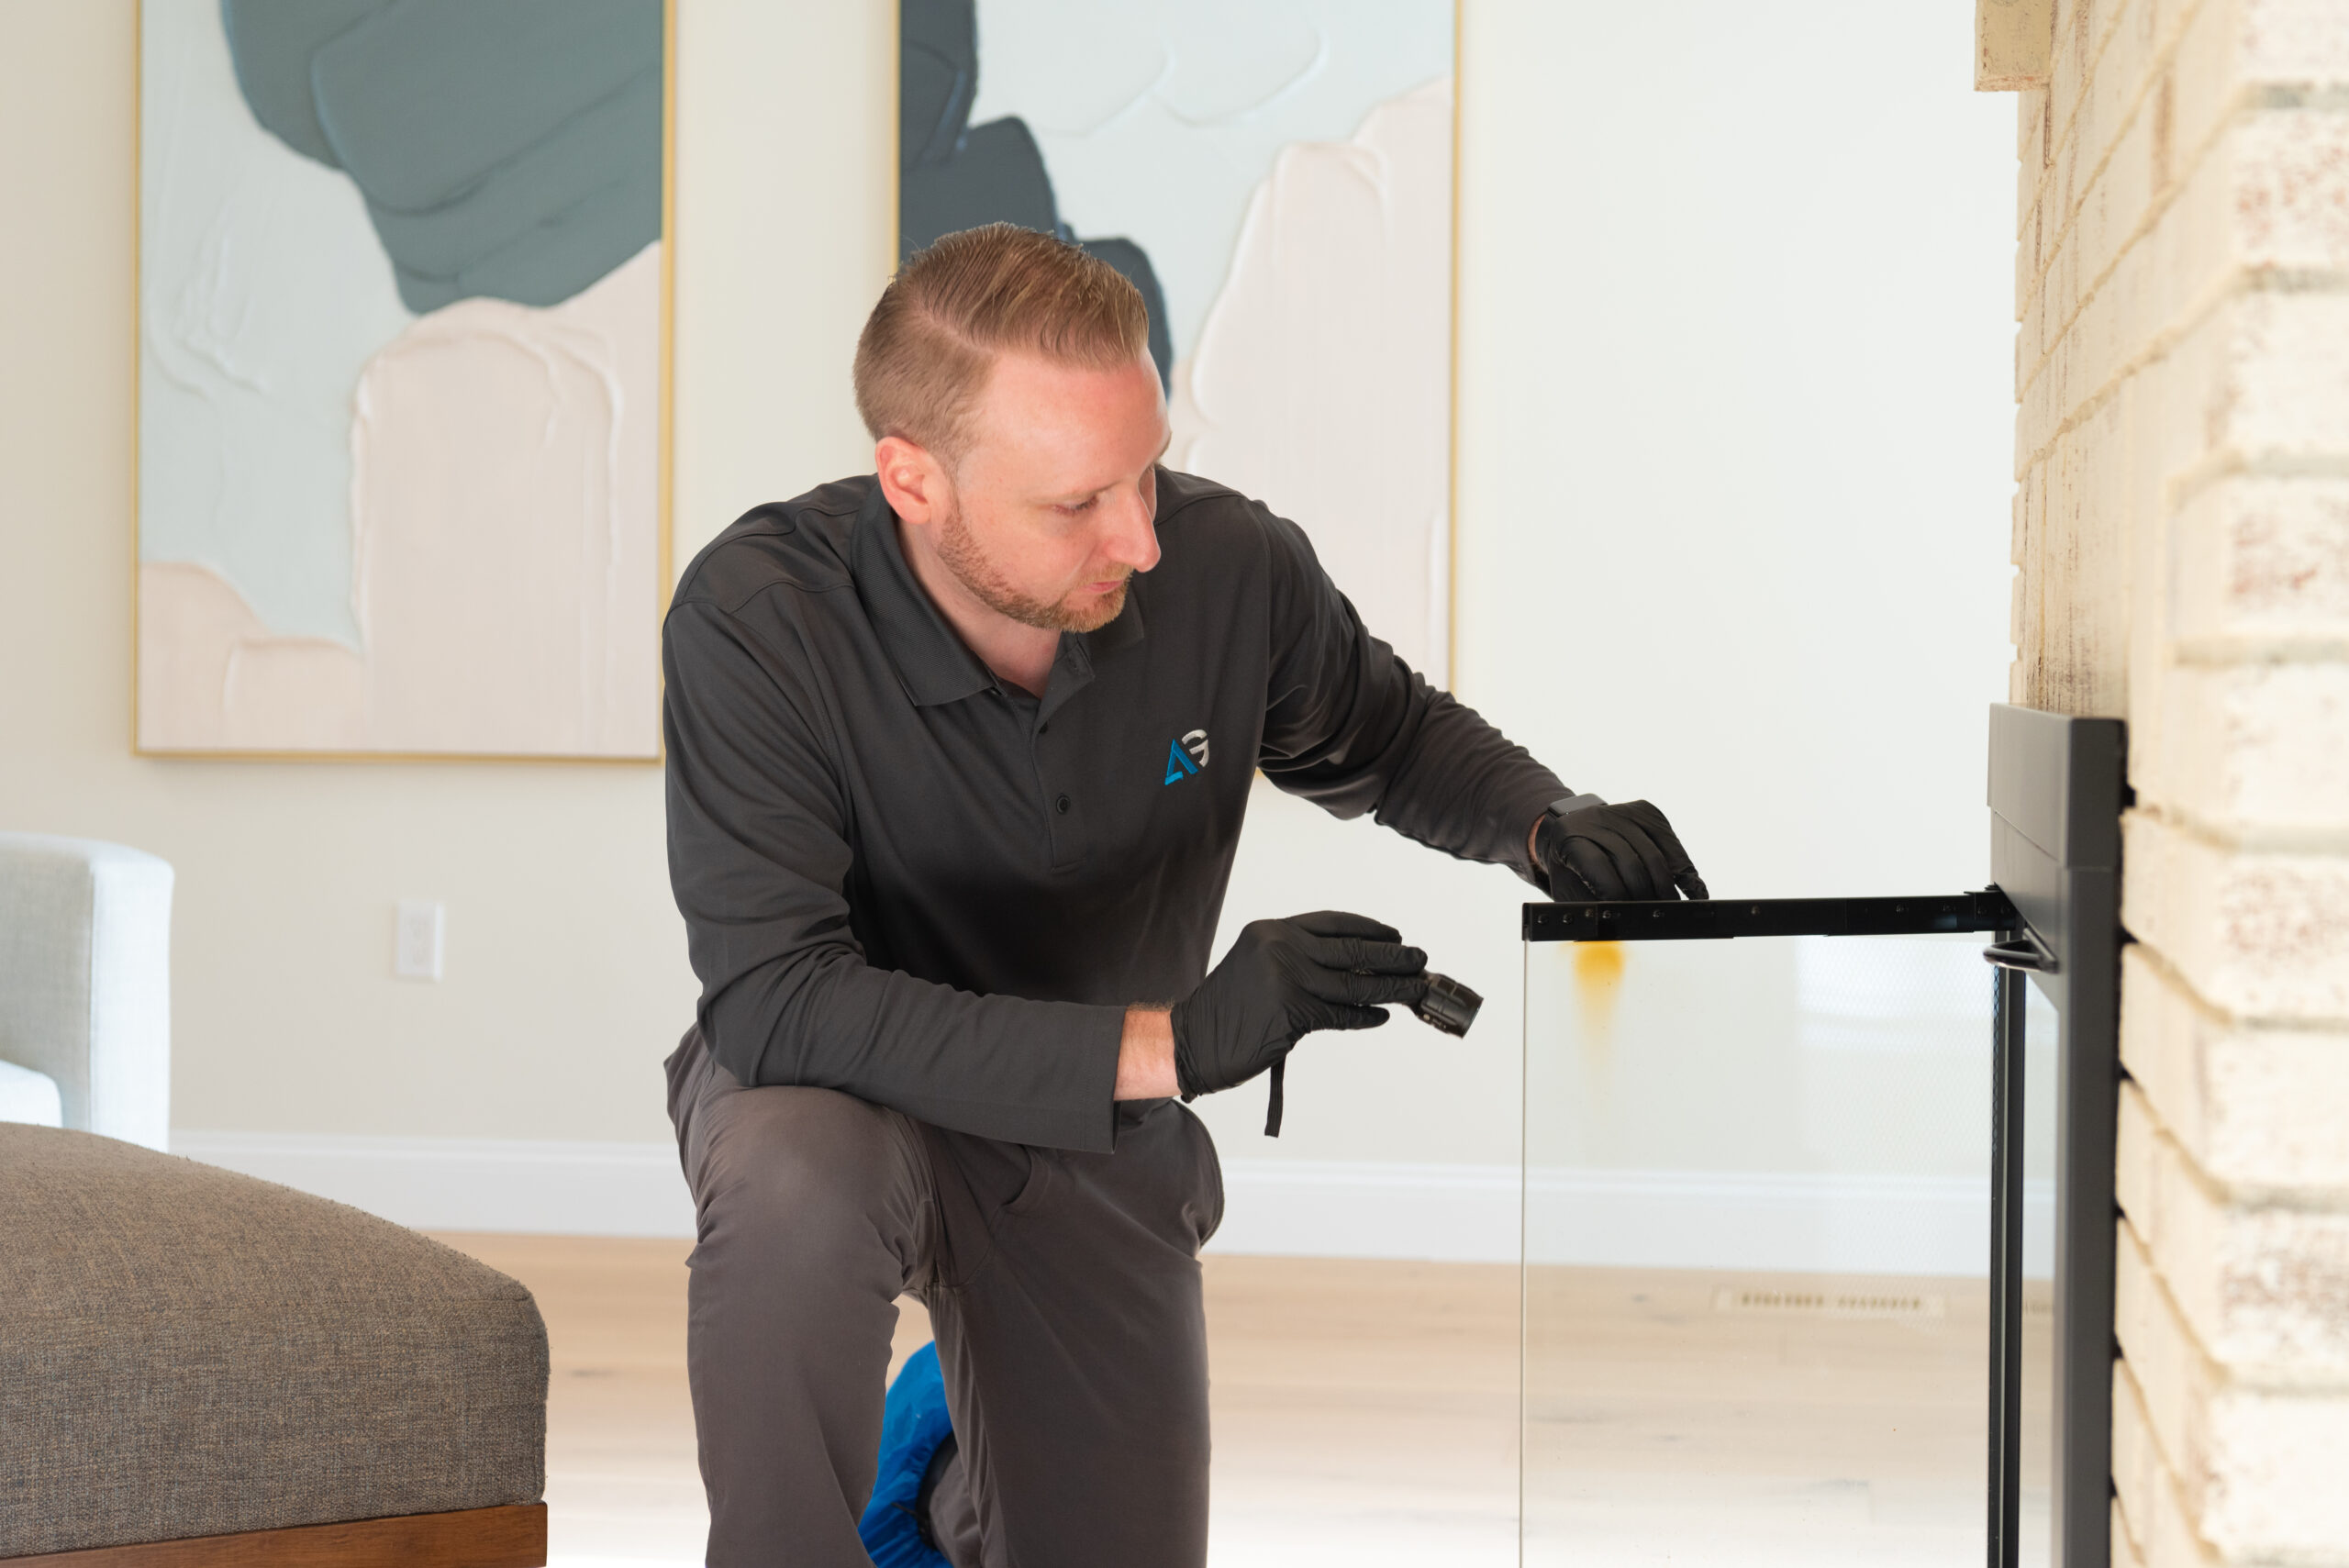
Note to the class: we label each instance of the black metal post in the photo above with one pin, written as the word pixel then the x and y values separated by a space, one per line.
pixel 2087 1097
pixel 2008 1076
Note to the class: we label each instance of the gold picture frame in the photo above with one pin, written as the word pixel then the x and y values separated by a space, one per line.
pixel 664 468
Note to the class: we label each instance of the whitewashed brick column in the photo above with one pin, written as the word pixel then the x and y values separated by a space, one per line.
pixel 2182 528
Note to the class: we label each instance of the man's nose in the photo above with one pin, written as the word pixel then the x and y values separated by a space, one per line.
pixel 1132 537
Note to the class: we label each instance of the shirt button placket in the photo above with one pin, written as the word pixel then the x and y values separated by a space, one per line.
pixel 1060 804
pixel 1059 821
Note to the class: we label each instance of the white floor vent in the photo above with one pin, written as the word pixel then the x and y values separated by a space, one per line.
pixel 1904 1306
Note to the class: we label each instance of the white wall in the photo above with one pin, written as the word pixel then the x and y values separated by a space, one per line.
pixel 1733 458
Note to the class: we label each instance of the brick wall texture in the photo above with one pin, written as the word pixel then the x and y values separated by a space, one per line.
pixel 2182 527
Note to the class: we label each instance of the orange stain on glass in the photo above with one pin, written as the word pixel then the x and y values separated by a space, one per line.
pixel 1598 978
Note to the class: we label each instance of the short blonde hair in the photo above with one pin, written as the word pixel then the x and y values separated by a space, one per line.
pixel 929 344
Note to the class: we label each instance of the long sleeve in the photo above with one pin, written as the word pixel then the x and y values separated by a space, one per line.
pixel 1350 727
pixel 760 859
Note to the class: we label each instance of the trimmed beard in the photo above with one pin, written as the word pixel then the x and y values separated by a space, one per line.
pixel 960 551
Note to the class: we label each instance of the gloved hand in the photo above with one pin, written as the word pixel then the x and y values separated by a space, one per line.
pixel 1282 980
pixel 1614 852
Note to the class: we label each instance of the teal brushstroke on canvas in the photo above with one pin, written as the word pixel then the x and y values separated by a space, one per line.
pixel 954 175
pixel 270 46
pixel 263 294
pixel 510 148
pixel 1159 118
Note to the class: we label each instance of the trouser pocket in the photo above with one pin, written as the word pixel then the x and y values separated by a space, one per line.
pixel 1211 1166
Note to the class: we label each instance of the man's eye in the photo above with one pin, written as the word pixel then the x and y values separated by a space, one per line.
pixel 1083 505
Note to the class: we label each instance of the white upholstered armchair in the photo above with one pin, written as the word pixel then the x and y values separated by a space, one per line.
pixel 85 988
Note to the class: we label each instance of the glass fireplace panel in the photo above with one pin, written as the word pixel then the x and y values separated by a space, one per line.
pixel 1756 1251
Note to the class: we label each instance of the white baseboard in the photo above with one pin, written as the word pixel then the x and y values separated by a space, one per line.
pixel 470 1183
pixel 1810 1224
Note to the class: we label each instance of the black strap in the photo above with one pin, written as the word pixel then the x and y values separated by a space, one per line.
pixel 1273 1106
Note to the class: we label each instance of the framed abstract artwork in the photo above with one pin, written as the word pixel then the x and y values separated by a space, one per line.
pixel 403 377
pixel 1276 177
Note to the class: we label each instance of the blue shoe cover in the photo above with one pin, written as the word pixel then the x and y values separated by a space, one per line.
pixel 913 1423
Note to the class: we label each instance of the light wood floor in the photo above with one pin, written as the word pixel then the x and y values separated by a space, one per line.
pixel 1366 1414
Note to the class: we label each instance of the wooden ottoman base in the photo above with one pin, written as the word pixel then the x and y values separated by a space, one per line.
pixel 512 1536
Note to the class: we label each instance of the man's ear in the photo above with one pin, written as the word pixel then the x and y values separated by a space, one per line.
pixel 912 480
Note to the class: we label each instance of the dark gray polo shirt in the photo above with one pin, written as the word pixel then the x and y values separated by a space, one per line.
pixel 909 879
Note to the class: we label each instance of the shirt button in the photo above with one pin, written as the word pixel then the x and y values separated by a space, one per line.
pixel 1062 804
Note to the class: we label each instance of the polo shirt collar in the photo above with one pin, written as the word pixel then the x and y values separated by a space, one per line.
pixel 932 664
pixel 931 661
pixel 1123 632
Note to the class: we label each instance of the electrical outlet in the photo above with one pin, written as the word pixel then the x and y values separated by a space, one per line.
pixel 416 947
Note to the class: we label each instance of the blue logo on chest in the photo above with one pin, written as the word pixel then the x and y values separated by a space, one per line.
pixel 1186 757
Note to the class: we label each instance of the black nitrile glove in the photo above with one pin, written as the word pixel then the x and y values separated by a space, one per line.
pixel 1605 852
pixel 1283 979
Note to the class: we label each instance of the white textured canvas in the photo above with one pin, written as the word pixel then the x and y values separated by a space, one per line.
pixel 489 583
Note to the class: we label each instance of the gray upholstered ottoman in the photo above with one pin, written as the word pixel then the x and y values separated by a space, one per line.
pixel 189 1352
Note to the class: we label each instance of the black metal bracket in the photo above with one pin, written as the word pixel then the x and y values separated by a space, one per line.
pixel 1717 919
pixel 2023 952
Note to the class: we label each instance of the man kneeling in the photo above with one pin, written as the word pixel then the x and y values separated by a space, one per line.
pixel 958 756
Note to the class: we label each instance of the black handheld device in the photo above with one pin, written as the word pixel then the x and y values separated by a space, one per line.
pixel 1448 1005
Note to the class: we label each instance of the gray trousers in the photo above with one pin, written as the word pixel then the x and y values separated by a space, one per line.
pixel 1063 1289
